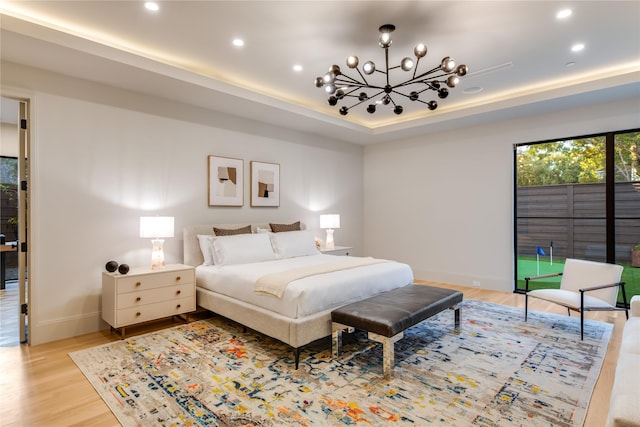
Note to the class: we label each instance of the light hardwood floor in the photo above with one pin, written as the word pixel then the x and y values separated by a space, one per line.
pixel 41 386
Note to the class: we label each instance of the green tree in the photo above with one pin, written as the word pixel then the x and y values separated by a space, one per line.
pixel 577 161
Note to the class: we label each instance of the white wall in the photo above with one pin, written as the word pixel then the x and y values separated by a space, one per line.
pixel 102 157
pixel 443 202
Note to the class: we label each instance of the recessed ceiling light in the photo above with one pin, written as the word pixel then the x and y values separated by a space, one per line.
pixel 152 6
pixel 577 47
pixel 472 90
pixel 564 14
pixel 297 68
pixel 238 42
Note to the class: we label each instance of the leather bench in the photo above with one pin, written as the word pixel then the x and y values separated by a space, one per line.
pixel 385 316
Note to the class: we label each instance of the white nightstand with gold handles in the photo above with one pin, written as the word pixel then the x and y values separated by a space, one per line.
pixel 144 294
pixel 338 250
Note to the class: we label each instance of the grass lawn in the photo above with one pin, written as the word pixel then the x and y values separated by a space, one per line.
pixel 528 266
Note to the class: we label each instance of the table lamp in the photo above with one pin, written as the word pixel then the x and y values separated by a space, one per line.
pixel 156 228
pixel 329 222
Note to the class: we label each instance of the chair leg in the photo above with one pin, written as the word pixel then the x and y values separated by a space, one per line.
pixel 526 306
pixel 624 301
pixel 581 315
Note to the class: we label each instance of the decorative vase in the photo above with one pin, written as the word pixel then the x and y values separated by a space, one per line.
pixel 111 266
pixel 123 269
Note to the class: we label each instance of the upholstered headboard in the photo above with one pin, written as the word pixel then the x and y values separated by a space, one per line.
pixel 192 253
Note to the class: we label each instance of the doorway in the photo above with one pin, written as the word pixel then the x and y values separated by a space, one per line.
pixel 14 221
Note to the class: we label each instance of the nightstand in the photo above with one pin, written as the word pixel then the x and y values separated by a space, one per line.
pixel 145 294
pixel 338 250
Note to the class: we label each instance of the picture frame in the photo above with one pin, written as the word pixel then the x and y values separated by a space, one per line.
pixel 226 181
pixel 265 184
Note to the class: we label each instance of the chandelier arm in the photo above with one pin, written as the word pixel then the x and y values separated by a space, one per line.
pixel 354 82
pixel 386 60
pixel 378 93
pixel 351 91
pixel 415 69
pixel 348 79
pixel 362 76
pixel 407 96
pixel 358 103
pixel 431 71
pixel 423 79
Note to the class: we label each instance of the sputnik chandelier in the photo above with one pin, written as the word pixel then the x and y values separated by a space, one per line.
pixel 341 86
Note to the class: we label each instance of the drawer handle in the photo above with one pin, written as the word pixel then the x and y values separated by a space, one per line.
pixel 138 283
pixel 178 278
pixel 138 299
pixel 178 306
pixel 177 292
pixel 138 314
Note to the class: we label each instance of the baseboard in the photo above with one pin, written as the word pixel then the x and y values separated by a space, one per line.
pixel 57 329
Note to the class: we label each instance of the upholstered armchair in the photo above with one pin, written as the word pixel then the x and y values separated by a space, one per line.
pixel 585 286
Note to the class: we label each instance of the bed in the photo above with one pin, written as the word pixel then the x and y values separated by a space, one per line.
pixel 297 313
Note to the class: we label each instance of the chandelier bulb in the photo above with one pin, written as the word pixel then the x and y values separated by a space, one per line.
pixel 462 70
pixel 339 94
pixel 352 61
pixel 420 50
pixel 448 64
pixel 398 109
pixel 332 100
pixel 432 105
pixel 344 111
pixel 335 69
pixel 329 78
pixel 385 40
pixel 413 96
pixel 452 81
pixel 371 108
pixel 386 100
pixel 363 96
pixel 406 64
pixel 330 88
pixel 443 93
pixel 369 67
pixel 385 35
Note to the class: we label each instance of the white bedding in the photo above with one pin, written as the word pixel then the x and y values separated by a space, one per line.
pixel 305 296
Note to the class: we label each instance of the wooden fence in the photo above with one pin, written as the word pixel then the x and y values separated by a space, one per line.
pixel 573 218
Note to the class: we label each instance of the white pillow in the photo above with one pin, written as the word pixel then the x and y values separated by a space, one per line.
pixel 291 244
pixel 263 230
pixel 242 249
pixel 205 248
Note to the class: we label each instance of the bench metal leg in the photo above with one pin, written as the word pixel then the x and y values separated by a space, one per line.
pixel 336 336
pixel 387 350
pixel 456 316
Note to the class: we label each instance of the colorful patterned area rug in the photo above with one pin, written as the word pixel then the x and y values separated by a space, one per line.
pixel 495 371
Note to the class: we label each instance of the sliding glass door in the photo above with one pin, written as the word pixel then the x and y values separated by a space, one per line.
pixel 577 198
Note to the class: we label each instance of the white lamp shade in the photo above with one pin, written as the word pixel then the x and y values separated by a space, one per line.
pixel 156 227
pixel 330 221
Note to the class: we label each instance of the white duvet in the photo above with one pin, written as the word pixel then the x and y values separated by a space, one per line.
pixel 305 296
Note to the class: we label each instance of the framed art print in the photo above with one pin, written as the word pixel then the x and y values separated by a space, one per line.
pixel 226 183
pixel 265 184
